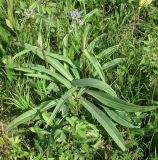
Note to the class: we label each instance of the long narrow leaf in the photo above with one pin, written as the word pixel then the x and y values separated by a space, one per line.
pixel 24 69
pixel 117 103
pixel 60 68
pixel 42 69
pixel 111 64
pixel 22 53
pixel 23 118
pixel 85 36
pixel 53 62
pixel 107 51
pixel 53 75
pixel 103 119
pixel 61 102
pixel 39 76
pixel 92 44
pixel 90 14
pixel 119 118
pixel 96 64
pixel 60 57
pixel 89 82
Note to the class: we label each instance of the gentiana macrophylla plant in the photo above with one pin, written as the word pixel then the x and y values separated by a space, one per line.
pixel 88 90
pixel 94 94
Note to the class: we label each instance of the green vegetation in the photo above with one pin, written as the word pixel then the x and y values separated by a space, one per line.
pixel 78 80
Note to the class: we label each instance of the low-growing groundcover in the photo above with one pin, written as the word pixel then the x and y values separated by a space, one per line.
pixel 78 79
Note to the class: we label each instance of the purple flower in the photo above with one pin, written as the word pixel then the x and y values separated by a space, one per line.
pixel 75 14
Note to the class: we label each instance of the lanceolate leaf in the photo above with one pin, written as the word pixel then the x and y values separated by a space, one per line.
pixel 42 69
pixel 90 14
pixel 111 64
pixel 55 75
pixel 96 64
pixel 24 69
pixel 27 50
pixel 107 52
pixel 39 76
pixel 92 44
pixel 61 58
pixel 23 118
pixel 89 82
pixel 60 68
pixel 119 118
pixel 85 36
pixel 103 119
pixel 22 53
pixel 52 61
pixel 57 65
pixel 61 102
pixel 118 104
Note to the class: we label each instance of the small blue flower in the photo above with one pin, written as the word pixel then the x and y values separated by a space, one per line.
pixel 75 14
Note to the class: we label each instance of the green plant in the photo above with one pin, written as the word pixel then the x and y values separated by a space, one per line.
pixel 74 138
pixel 64 48
pixel 102 103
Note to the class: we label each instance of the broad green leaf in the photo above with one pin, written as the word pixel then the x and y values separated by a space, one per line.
pixel 117 103
pixel 119 118
pixel 103 119
pixel 107 51
pixel 96 64
pixel 89 82
pixel 23 118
